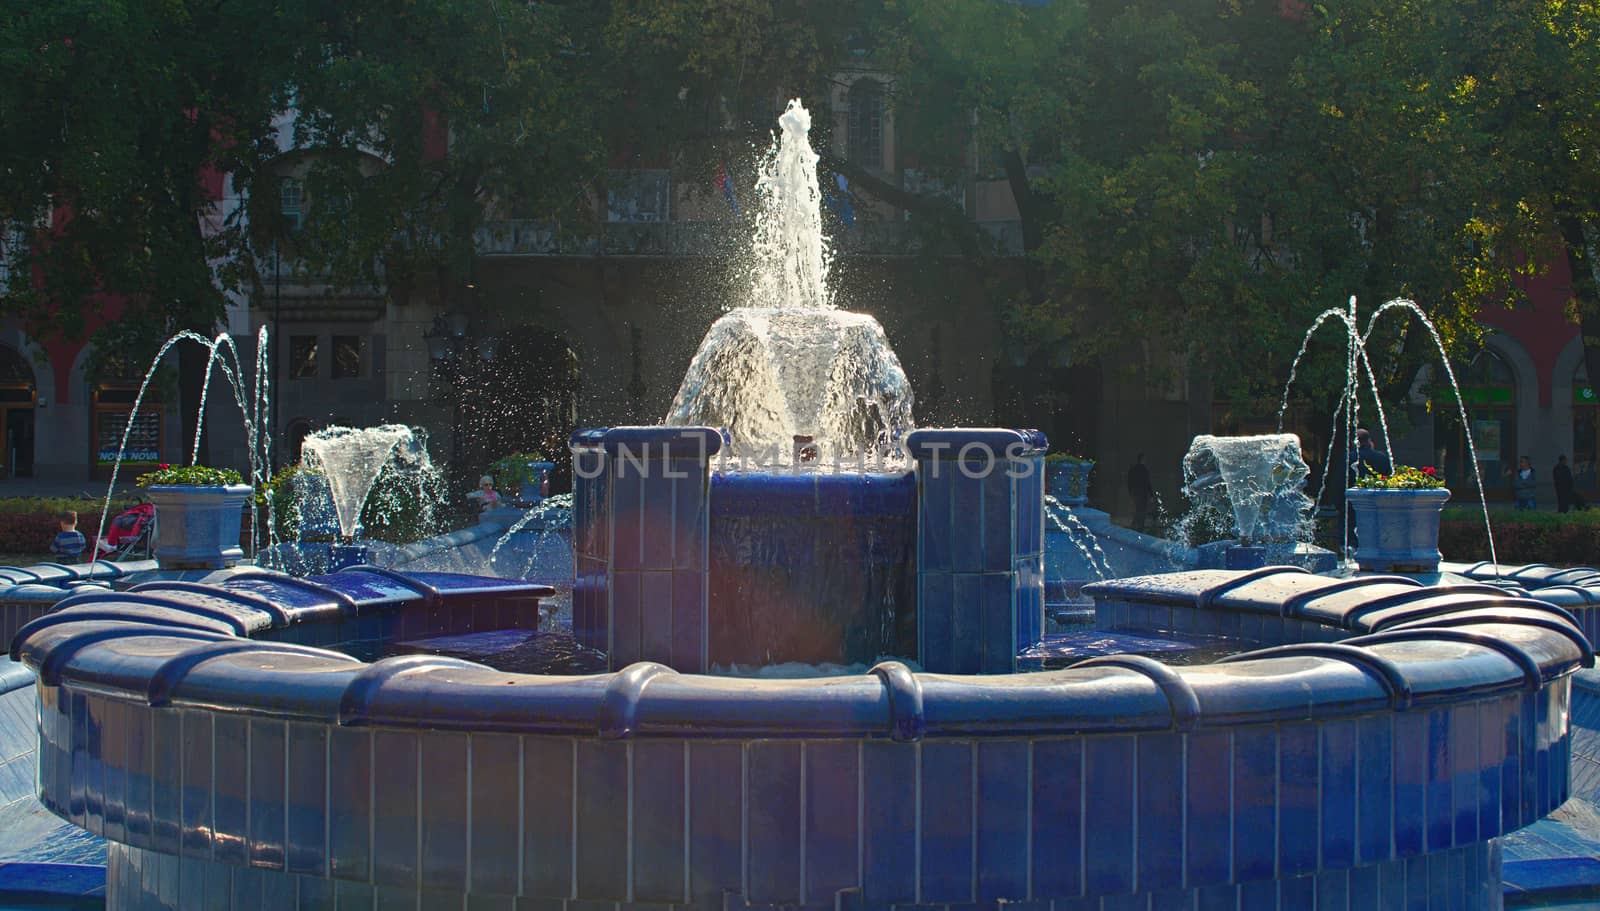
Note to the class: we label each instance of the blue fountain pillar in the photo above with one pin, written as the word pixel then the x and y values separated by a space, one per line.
pixel 980 547
pixel 640 522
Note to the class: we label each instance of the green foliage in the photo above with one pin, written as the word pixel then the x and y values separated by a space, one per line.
pixel 513 471
pixel 1560 539
pixel 399 509
pixel 1067 458
pixel 189 476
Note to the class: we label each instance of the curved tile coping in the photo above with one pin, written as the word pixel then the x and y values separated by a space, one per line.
pixel 906 787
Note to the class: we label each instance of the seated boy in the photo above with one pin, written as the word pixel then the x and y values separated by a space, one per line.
pixel 69 543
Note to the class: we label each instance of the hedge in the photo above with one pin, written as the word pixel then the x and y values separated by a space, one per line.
pixel 1561 539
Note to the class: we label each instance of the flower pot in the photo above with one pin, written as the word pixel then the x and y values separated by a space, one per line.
pixel 534 474
pixel 1397 531
pixel 1068 482
pixel 198 527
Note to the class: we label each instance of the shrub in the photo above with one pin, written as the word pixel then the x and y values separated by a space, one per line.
pixel 1562 539
pixel 190 476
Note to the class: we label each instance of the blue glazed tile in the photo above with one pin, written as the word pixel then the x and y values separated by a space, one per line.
pixel 688 621
pixel 93 767
pixel 266 793
pixel 1338 799
pixel 997 520
pixel 219 885
pixel 231 797
pixel 395 898
pixel 476 902
pixel 1255 772
pixel 1374 790
pixel 1176 900
pixel 996 617
pixel 661 523
pixel 1298 834
pixel 547 811
pixel 1210 768
pixel 246 890
pixel 305 836
pixel 967 623
pixel 716 819
pixel 278 891
pixel 196 759
pixel 444 809
pixel 832 845
pixel 1417 892
pixel 773 780
pixel 1160 811
pixel 655 617
pixel 947 823
pixel 1464 770
pixel 1057 817
pixel 627 520
pixel 1140 902
pixel 349 815
pixel 602 836
pixel 658 821
pixel 494 843
pixel 1441 816
pixel 1366 889
pixel 166 782
pixel 1109 791
pixel 1511 764
pixel 1297 892
pixel 315 894
pixel 395 823
pixel 936 491
pixel 1392 884
pixel 1217 898
pixel 353 895
pixel 936 621
pixel 689 543
pixel 889 796
pixel 1002 807
pixel 1410 783
pixel 1333 891
pixel 967 532
pixel 1259 895
pixel 114 734
pixel 626 619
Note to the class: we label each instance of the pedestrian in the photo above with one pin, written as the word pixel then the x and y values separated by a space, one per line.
pixel 1524 485
pixel 1366 458
pixel 1566 492
pixel 1140 488
pixel 69 543
pixel 486 496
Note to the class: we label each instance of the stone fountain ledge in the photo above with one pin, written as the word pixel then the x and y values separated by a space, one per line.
pixel 260 768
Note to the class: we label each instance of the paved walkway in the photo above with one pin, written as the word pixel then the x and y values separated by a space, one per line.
pixel 35 487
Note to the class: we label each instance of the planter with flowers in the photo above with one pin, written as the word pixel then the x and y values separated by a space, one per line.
pixel 522 475
pixel 1066 477
pixel 1397 520
pixel 198 514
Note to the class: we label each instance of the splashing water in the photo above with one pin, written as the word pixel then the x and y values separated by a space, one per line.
pixel 352 458
pixel 552 515
pixel 253 410
pixel 1349 404
pixel 786 369
pixel 790 255
pixel 1064 520
pixel 1256 479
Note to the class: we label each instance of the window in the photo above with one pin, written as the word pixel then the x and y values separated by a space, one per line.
pixel 291 202
pixel 346 356
pixel 866 123
pixel 302 356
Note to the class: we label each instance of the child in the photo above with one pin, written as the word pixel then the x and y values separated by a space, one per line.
pixel 69 543
pixel 485 494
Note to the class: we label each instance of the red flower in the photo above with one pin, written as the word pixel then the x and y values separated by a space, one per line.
pixel 1428 470
pixel 163 466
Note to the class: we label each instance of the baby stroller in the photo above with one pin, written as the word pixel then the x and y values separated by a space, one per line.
pixel 128 536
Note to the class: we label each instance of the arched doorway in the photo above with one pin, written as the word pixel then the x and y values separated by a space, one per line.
pixel 524 399
pixel 17 396
pixel 1489 391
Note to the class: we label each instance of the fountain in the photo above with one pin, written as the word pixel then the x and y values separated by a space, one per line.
pixel 339 469
pixel 1258 482
pixel 268 741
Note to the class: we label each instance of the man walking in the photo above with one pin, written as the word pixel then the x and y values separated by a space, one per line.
pixel 1140 488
